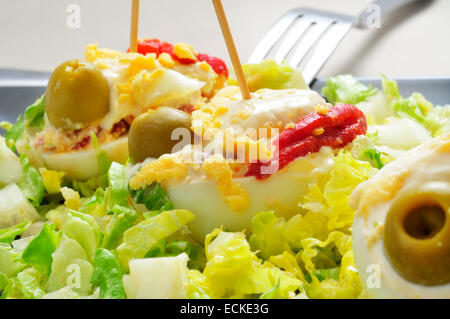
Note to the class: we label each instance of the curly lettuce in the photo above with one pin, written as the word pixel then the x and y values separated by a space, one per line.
pixel 270 75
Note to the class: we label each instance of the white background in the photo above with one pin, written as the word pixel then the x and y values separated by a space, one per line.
pixel 34 35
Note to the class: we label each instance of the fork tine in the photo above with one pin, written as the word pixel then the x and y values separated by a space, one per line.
pixel 272 37
pixel 292 38
pixel 325 48
pixel 320 26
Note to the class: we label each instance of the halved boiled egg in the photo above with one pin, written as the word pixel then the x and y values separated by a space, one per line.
pixel 401 230
pixel 211 181
pixel 102 95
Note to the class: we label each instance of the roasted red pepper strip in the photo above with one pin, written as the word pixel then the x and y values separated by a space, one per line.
pixel 217 64
pixel 340 125
pixel 157 46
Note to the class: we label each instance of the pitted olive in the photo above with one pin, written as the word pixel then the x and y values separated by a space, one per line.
pixel 77 94
pixel 151 133
pixel 417 238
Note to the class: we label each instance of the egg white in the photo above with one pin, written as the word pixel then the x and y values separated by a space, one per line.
pixel 281 192
pixel 427 168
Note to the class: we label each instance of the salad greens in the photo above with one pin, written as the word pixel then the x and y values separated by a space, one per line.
pixel 7 235
pixel 39 251
pixel 269 74
pixel 346 89
pixel 78 239
pixel 34 114
pixel 108 275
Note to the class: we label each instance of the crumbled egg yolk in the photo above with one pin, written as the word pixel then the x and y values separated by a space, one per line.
pixel 166 60
pixel 318 131
pixel 141 62
pixel 92 53
pixel 290 126
pixel 184 51
pixel 51 180
pixel 231 192
pixel 167 167
pixel 321 109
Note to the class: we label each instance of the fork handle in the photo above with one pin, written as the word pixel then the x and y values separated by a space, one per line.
pixel 384 7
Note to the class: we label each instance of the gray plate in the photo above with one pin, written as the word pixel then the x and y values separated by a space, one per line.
pixel 17 94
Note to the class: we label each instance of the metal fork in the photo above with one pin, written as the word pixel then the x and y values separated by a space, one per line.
pixel 314 28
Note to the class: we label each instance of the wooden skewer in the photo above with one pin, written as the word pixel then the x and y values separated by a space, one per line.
pixel 231 49
pixel 134 25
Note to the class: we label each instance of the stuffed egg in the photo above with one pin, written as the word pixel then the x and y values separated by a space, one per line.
pixel 96 99
pixel 401 231
pixel 221 178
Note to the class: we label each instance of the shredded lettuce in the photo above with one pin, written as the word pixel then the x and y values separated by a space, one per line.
pixel 108 275
pixel 28 284
pixel 364 150
pixel 268 237
pixel 5 285
pixel 7 235
pixel 10 166
pixel 418 108
pixel 270 75
pixel 233 270
pixel 70 268
pixel 322 284
pixel 332 199
pixel 34 114
pixel 118 185
pixel 14 133
pixel 9 260
pixel 82 228
pixel 123 218
pixel 153 197
pixel 139 239
pixel 346 89
pixel 39 251
pixel 31 182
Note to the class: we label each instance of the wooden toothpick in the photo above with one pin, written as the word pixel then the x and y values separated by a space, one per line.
pixel 134 25
pixel 231 49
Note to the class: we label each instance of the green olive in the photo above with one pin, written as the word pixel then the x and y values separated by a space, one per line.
pixel 77 94
pixel 151 133
pixel 417 238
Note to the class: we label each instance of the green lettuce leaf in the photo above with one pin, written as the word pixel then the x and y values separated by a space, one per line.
pixel 108 275
pixel 9 260
pixel 418 108
pixel 103 161
pixel 70 268
pixel 346 89
pixel 233 270
pixel 7 235
pixel 139 239
pixel 153 197
pixel 364 150
pixel 268 234
pixel 34 114
pixel 28 284
pixel 123 218
pixel 14 133
pixel 270 75
pixel 31 182
pixel 84 229
pixel 177 247
pixel 332 200
pixel 39 251
pixel 5 285
pixel 118 185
